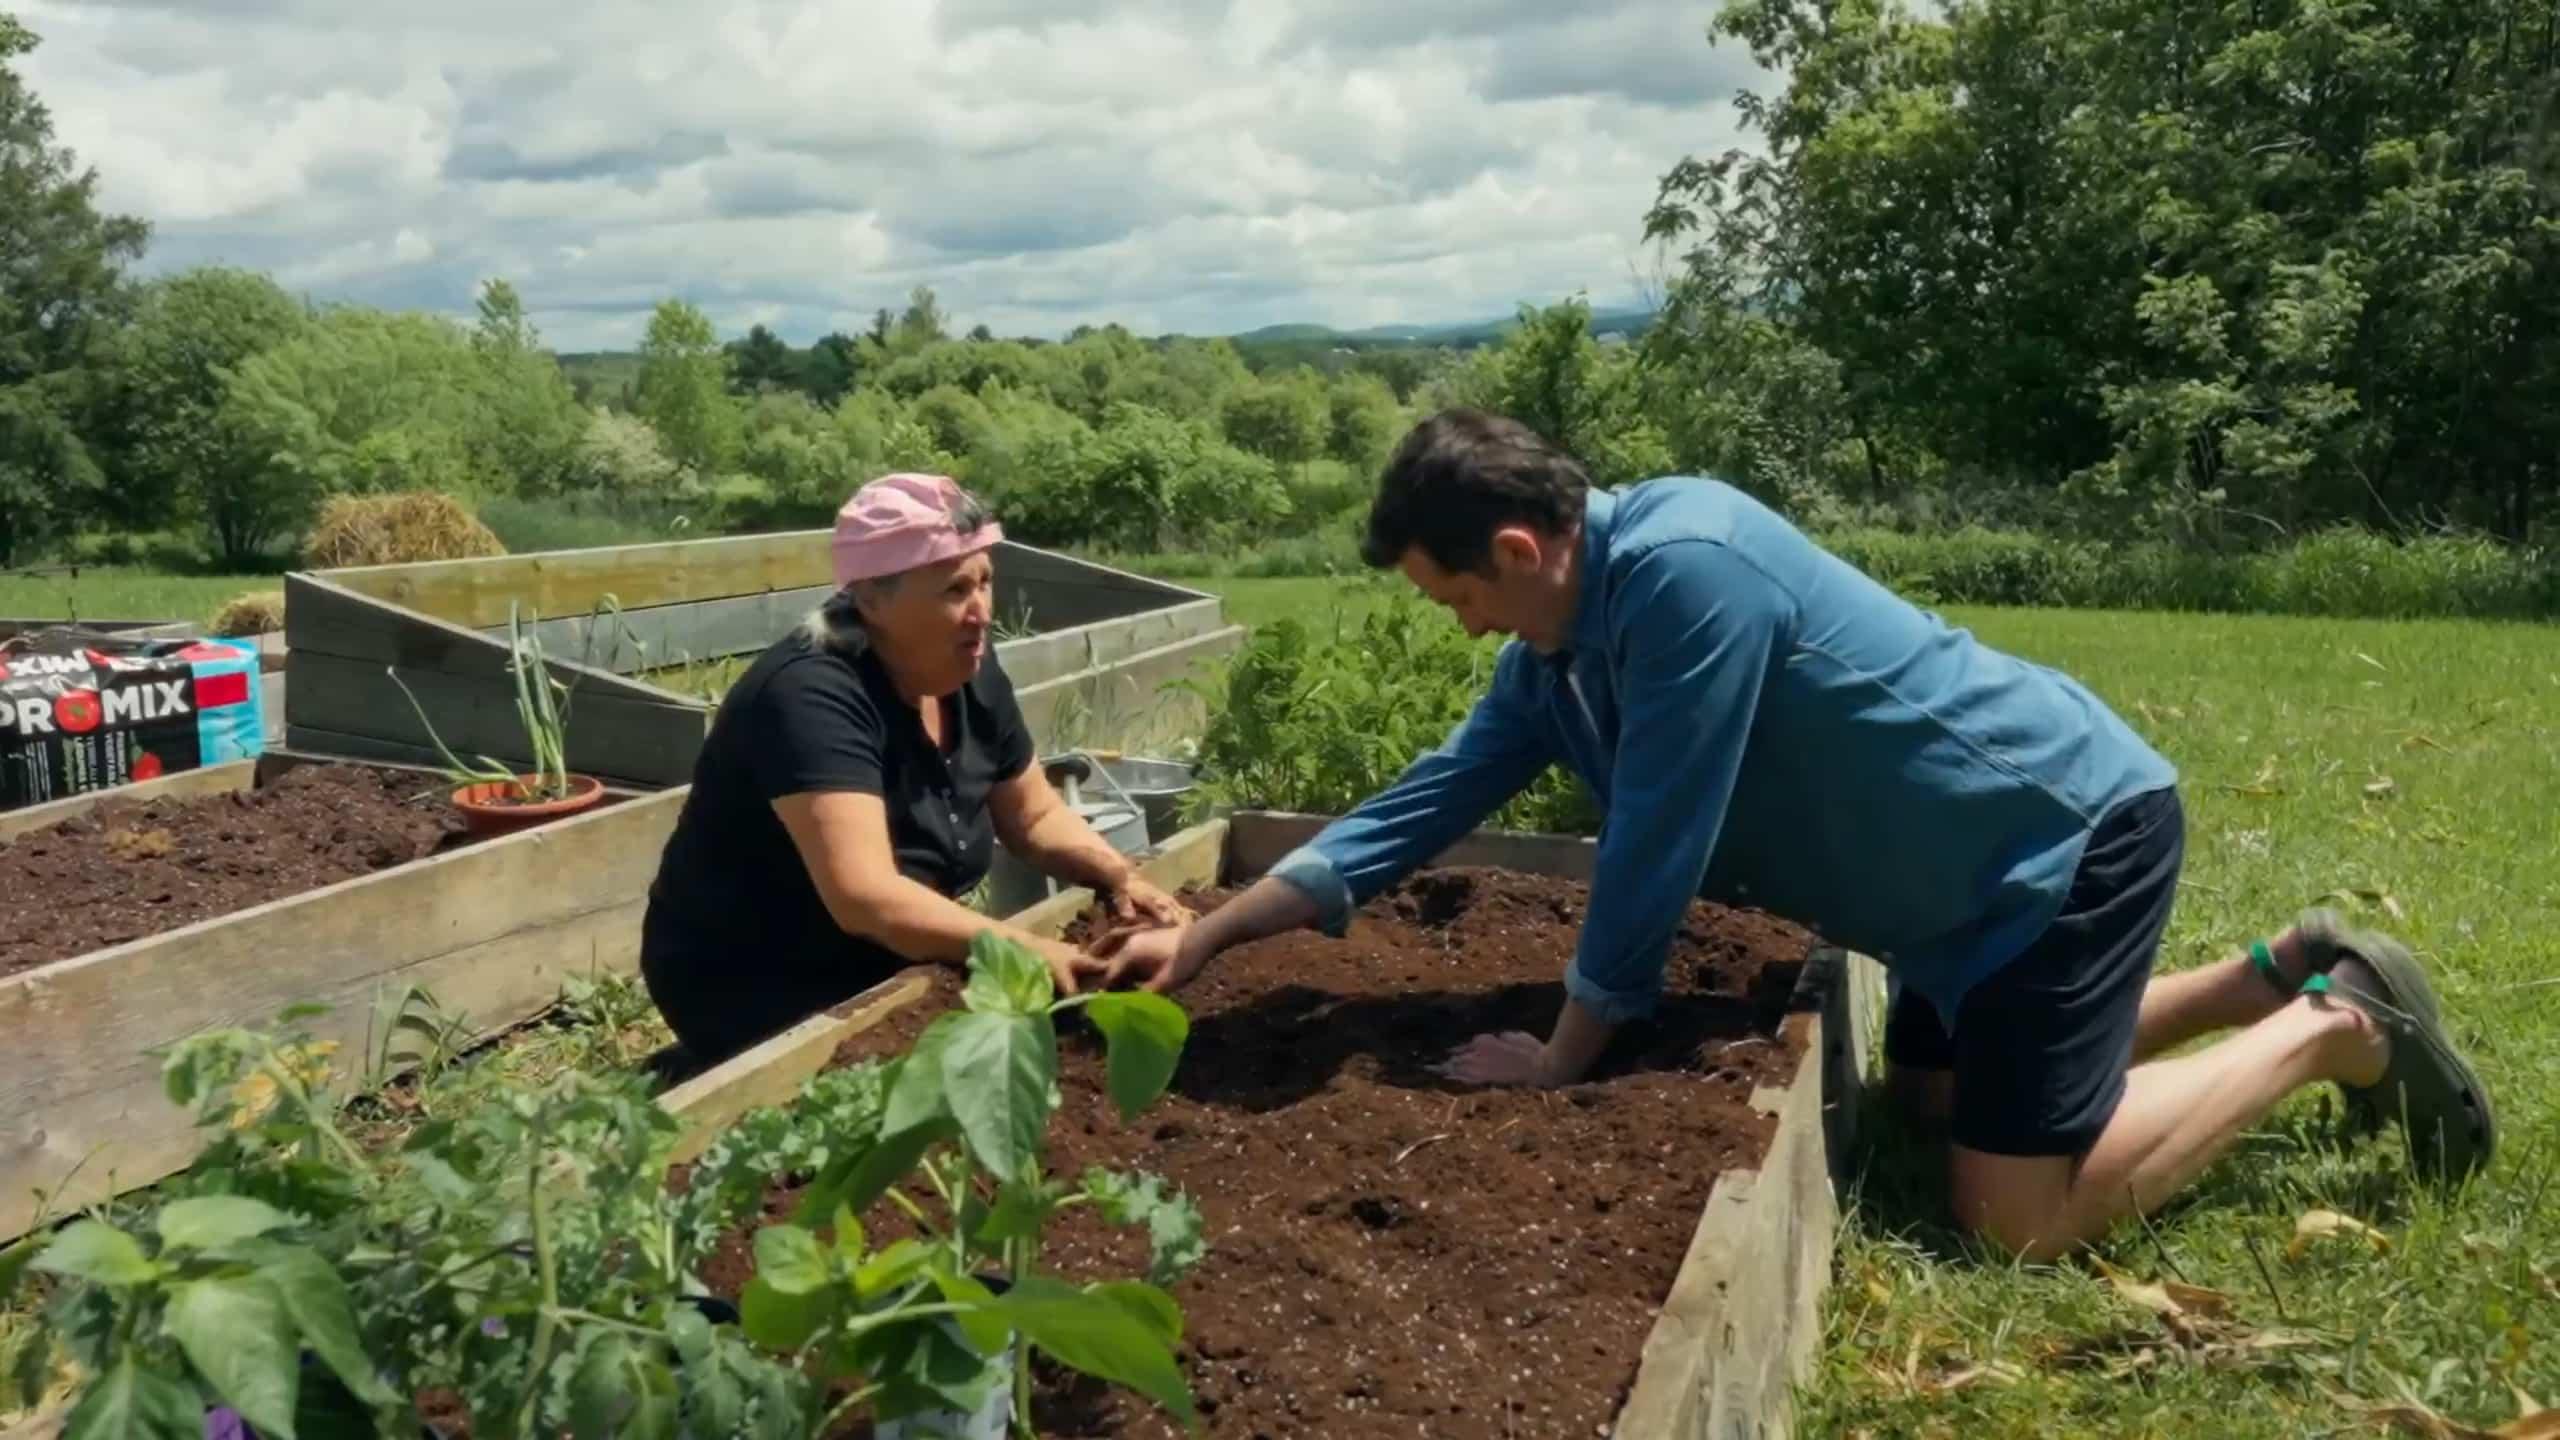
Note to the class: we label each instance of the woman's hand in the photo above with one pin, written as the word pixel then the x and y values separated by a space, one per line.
pixel 1140 900
pixel 1070 969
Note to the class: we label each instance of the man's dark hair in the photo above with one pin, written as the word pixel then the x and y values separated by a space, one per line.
pixel 1460 476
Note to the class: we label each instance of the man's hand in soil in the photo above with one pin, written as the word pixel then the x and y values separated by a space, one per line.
pixel 1516 1057
pixel 1158 959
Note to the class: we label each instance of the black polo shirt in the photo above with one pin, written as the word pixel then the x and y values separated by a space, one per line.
pixel 737 943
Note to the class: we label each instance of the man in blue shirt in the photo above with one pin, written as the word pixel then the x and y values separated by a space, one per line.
pixel 1764 725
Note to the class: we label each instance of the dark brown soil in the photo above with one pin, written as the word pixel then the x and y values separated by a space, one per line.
pixel 1391 1254
pixel 129 869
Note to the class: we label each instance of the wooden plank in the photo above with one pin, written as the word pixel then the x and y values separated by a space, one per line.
pixel 772 1072
pixel 322 619
pixel 494 926
pixel 676 634
pixel 475 593
pixel 1038 658
pixel 209 780
pixel 1259 838
pixel 609 734
pixel 1129 704
pixel 1153 630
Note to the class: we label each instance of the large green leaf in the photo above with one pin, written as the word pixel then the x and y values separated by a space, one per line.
pixel 1152 1307
pixel 237 1335
pixel 789 1260
pixel 1000 1073
pixel 131 1403
pixel 1100 1336
pixel 316 1300
pixel 894 1267
pixel 980 1322
pixel 95 1250
pixel 1143 1035
pixel 784 1322
pixel 209 1222
pixel 858 1179
pixel 1021 1209
pixel 919 1365
pixel 1007 978
pixel 622 1391
pixel 916 1097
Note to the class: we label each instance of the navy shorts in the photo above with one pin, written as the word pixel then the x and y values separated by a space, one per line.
pixel 2041 1046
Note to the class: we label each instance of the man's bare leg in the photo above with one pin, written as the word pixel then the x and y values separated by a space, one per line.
pixel 2176 1118
pixel 2225 995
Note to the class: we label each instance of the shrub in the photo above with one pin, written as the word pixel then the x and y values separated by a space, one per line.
pixel 395 529
pixel 257 612
pixel 1317 718
pixel 585 522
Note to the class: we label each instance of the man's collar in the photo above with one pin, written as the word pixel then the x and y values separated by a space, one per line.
pixel 1590 610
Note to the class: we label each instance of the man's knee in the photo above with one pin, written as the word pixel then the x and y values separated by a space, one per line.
pixel 2021 1204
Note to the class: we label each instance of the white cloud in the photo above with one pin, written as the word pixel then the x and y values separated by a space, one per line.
pixel 1195 165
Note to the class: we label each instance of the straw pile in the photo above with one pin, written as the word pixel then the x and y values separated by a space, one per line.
pixel 395 530
pixel 258 612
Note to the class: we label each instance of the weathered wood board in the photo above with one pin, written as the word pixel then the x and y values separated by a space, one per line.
pixel 492 929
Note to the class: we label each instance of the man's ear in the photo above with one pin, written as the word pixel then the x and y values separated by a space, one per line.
pixel 1518 549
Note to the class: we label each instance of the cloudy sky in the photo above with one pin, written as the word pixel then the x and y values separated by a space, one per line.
pixel 1203 166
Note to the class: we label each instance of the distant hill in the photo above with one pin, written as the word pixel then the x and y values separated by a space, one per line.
pixel 1628 321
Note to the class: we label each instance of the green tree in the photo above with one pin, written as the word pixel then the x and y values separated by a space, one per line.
pixel 168 376
pixel 537 424
pixel 361 401
pixel 683 389
pixel 1282 418
pixel 2208 270
pixel 828 372
pixel 921 324
pixel 761 362
pixel 1363 420
pixel 61 285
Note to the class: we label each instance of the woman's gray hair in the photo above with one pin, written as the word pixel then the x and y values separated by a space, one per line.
pixel 836 624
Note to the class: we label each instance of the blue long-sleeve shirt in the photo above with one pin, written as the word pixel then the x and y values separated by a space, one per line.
pixel 1764 725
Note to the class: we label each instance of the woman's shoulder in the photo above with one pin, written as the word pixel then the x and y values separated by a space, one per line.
pixel 794 671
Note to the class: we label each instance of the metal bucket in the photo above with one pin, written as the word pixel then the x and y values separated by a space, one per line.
pixel 1159 788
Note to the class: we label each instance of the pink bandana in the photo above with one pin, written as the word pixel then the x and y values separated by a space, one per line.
pixel 899 522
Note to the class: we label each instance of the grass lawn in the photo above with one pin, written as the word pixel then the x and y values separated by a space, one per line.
pixel 2416 767
pixel 123 592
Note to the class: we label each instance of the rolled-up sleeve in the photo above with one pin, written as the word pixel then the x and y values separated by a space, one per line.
pixel 1492 755
pixel 1695 628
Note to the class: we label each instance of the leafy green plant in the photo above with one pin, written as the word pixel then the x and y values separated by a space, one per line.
pixel 1317 719
pixel 927 1317
pixel 542 706
pixel 527 1257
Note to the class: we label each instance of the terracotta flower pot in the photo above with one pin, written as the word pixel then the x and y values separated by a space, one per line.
pixel 494 808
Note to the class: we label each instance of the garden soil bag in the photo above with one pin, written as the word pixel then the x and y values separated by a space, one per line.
pixel 81 710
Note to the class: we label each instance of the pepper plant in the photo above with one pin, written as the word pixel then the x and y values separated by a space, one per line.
pixel 926 1319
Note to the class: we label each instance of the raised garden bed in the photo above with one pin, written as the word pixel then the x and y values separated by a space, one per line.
pixel 137 916
pixel 1640 1255
pixel 1098 667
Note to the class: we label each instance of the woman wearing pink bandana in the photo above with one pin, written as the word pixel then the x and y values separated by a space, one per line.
pixel 855 782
